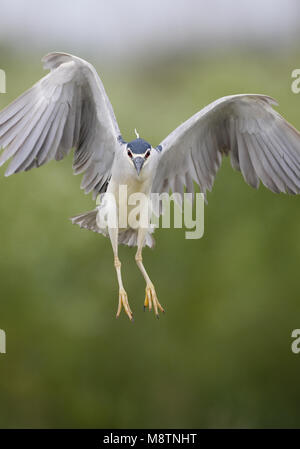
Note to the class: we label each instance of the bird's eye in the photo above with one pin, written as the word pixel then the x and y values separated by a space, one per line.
pixel 147 154
pixel 129 154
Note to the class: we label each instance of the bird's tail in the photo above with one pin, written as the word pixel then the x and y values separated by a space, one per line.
pixel 88 220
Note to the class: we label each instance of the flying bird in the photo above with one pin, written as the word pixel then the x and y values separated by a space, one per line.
pixel 69 109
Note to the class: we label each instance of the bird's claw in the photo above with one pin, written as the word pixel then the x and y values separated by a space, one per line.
pixel 123 301
pixel 151 300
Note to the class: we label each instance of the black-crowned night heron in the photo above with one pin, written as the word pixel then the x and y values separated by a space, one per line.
pixel 69 108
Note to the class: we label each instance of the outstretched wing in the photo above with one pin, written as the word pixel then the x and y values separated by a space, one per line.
pixel 262 145
pixel 65 109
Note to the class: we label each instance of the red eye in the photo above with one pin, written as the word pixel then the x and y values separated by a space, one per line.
pixel 147 154
pixel 129 154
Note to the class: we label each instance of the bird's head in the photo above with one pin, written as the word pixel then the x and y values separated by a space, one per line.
pixel 139 153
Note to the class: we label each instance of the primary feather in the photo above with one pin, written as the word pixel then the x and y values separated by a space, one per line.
pixel 261 143
pixel 66 109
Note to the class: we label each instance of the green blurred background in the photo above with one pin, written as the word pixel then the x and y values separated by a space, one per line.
pixel 220 356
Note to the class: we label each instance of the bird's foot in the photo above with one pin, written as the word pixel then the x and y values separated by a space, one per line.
pixel 151 299
pixel 123 301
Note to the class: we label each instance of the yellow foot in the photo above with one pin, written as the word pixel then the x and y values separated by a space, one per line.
pixel 151 299
pixel 123 301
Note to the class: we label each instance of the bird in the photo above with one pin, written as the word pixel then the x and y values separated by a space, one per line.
pixel 68 109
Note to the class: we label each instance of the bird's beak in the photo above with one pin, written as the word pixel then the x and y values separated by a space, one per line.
pixel 138 163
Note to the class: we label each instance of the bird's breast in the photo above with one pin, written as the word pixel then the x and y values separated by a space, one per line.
pixel 132 184
pixel 124 194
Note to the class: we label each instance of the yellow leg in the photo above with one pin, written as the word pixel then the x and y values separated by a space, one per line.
pixel 123 300
pixel 150 297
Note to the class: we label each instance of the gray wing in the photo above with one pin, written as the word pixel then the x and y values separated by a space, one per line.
pixel 66 109
pixel 262 145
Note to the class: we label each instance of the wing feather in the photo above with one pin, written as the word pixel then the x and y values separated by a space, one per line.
pixel 66 109
pixel 260 142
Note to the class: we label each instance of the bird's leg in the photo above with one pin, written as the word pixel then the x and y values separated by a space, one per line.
pixel 123 300
pixel 151 297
